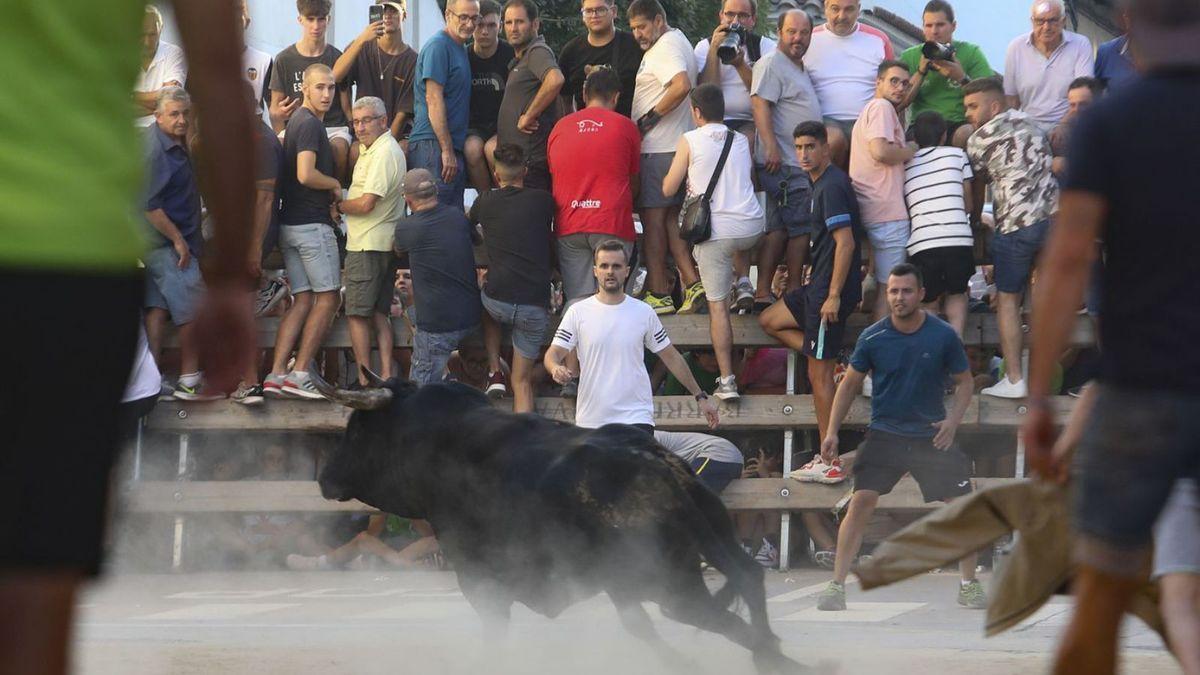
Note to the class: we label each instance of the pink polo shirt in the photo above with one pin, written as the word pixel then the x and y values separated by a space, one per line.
pixel 879 186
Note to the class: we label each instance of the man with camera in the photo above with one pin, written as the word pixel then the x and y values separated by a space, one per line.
pixel 940 67
pixel 727 60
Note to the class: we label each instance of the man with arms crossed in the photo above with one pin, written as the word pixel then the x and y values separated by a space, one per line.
pixel 909 354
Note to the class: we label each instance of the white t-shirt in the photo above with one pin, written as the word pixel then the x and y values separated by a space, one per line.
pixel 145 379
pixel 735 210
pixel 257 69
pixel 166 66
pixel 611 340
pixel 933 191
pixel 668 57
pixel 737 94
pixel 843 69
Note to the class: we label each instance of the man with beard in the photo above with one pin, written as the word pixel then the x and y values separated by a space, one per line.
pixel 603 45
pixel 909 354
pixel 530 106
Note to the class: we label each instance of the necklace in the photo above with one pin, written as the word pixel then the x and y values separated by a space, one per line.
pixel 379 60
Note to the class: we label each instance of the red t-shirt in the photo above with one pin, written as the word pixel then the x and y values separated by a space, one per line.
pixel 592 154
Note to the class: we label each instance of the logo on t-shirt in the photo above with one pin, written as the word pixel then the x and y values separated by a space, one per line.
pixel 252 74
pixel 589 126
pixel 586 204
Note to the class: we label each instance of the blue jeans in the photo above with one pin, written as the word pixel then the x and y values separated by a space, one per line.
pixel 789 192
pixel 529 324
pixel 1014 255
pixel 167 287
pixel 431 353
pixel 310 253
pixel 427 154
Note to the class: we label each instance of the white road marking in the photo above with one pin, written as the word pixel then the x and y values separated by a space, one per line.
pixel 856 612
pixel 807 591
pixel 215 611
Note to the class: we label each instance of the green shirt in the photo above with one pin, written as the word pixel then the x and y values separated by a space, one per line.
pixel 936 92
pixel 70 158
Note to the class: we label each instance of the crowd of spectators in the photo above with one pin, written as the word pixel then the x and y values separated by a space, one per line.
pixel 839 159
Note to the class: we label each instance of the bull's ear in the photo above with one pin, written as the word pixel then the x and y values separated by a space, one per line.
pixel 372 398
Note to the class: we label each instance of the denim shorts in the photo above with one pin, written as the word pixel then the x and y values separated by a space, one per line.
pixel 431 353
pixel 427 154
pixel 789 193
pixel 167 287
pixel 889 246
pixel 310 253
pixel 529 324
pixel 1138 444
pixel 1014 255
pixel 1176 546
pixel 654 168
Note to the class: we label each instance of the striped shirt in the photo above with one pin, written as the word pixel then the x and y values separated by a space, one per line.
pixel 933 191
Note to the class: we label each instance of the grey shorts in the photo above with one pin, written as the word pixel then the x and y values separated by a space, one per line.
pixel 370 282
pixel 1176 546
pixel 889 246
pixel 789 192
pixel 167 287
pixel 653 170
pixel 431 353
pixel 575 255
pixel 529 324
pixel 310 254
pixel 715 258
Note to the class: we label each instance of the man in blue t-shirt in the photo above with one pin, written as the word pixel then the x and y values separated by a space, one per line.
pixel 442 103
pixel 908 355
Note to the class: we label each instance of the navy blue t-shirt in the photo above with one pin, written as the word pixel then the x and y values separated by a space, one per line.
pixel 444 61
pixel 908 374
pixel 834 206
pixel 1149 288
pixel 438 244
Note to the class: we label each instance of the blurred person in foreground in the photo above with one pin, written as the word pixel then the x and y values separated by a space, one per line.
pixel 55 257
pixel 1143 435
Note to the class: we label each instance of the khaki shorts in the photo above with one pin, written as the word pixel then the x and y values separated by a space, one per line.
pixel 370 282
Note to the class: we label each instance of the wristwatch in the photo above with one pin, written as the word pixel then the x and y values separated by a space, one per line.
pixel 702 396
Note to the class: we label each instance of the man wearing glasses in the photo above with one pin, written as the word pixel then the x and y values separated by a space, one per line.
pixel 735 77
pixel 1040 66
pixel 603 45
pixel 441 105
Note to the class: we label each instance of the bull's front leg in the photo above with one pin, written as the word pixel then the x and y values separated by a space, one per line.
pixel 635 620
pixel 491 601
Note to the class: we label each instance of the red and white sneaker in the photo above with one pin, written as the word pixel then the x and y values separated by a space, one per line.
pixel 497 386
pixel 833 473
pixel 811 472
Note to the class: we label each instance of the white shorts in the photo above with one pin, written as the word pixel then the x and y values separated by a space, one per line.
pixel 889 246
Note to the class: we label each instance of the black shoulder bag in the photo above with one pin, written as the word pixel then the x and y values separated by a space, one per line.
pixel 695 218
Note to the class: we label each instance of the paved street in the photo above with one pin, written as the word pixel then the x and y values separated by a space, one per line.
pixel 418 622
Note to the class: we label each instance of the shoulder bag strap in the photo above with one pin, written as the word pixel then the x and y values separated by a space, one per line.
pixel 712 183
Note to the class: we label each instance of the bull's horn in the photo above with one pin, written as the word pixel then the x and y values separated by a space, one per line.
pixel 373 398
pixel 373 380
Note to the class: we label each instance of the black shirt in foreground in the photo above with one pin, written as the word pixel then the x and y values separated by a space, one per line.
pixel 516 233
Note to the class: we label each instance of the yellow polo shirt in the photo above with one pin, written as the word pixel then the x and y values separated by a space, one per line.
pixel 379 171
pixel 70 158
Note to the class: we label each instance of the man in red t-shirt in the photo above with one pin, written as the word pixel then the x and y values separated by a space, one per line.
pixel 594 157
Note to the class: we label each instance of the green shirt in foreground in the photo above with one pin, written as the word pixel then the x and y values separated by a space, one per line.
pixel 70 159
pixel 936 92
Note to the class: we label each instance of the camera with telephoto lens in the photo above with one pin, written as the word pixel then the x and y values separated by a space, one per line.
pixel 734 38
pixel 936 51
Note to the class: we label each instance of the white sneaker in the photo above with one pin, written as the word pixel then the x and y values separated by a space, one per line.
pixel 727 389
pixel 744 301
pixel 1006 388
pixel 866 390
pixel 809 473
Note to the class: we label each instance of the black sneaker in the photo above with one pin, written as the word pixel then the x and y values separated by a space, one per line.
pixel 570 389
pixel 248 394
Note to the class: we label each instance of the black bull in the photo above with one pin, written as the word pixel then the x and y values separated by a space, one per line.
pixel 545 513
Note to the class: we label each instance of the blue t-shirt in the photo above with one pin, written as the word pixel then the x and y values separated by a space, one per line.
pixel 1114 67
pixel 171 186
pixel 908 374
pixel 438 244
pixel 444 61
pixel 833 207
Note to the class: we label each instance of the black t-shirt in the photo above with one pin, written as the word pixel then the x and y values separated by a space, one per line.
pixel 287 74
pixel 488 77
pixel 303 205
pixel 387 76
pixel 834 206
pixel 516 233
pixel 1150 290
pixel 438 244
pixel 623 53
pixel 270 162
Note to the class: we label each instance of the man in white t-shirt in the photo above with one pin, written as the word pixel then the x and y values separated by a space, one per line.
pixel 842 60
pixel 664 80
pixel 734 77
pixel 162 66
pixel 256 66
pixel 611 331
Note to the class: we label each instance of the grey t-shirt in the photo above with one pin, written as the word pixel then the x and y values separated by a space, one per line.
pixel 787 86
pixel 689 446
pixel 524 80
pixel 438 244
pixel 287 74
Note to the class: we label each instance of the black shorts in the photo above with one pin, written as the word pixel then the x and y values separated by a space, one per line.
pixel 884 458
pixel 64 332
pixel 805 306
pixel 946 270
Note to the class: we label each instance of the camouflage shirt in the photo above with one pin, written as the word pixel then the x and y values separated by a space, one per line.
pixel 1014 155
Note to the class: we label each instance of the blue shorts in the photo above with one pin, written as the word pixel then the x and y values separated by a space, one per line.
pixel 529 324
pixel 427 154
pixel 1014 255
pixel 820 341
pixel 167 287
pixel 789 192
pixel 431 353
pixel 310 253
pixel 715 475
